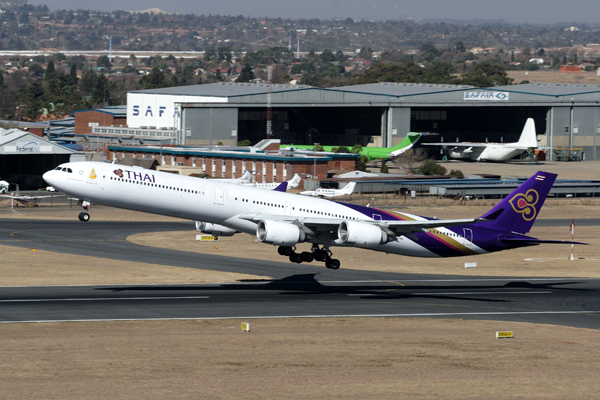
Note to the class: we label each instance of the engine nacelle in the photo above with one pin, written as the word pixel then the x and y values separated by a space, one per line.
pixel 214 229
pixel 279 233
pixel 360 234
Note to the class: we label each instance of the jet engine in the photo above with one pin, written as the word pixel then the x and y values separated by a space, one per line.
pixel 214 229
pixel 279 233
pixel 360 234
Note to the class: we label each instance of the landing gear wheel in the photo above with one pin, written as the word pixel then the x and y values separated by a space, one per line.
pixel 320 255
pixel 335 264
pixel 84 217
pixel 306 256
pixel 284 250
pixel 332 263
pixel 296 258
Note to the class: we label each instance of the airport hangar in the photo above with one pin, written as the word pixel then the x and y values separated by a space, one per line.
pixel 566 115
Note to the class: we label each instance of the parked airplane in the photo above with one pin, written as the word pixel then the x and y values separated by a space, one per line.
pixel 322 192
pixel 285 219
pixel 291 184
pixel 374 153
pixel 4 186
pixel 493 151
pixel 245 178
pixel 25 199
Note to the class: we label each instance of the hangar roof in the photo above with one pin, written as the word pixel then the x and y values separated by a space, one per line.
pixel 14 141
pixel 400 89
pixel 224 89
pixel 550 89
pixel 115 111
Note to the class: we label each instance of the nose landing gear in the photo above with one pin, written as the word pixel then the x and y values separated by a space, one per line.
pixel 316 254
pixel 84 216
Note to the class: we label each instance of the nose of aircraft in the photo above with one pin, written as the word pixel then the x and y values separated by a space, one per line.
pixel 48 177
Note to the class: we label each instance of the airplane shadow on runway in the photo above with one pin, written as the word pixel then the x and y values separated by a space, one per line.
pixel 307 284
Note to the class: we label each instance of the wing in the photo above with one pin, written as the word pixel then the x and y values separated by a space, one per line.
pixel 458 144
pixel 314 226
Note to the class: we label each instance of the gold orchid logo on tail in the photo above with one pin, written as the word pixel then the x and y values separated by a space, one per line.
pixel 524 204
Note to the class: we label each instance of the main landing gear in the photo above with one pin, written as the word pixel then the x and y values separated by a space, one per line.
pixel 316 254
pixel 84 216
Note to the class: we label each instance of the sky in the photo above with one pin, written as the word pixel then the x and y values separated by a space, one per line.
pixel 513 11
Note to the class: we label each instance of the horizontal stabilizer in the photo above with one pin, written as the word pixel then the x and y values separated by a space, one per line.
pixel 525 241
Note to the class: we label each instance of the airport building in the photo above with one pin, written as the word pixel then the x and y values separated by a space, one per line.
pixel 566 115
pixel 267 162
pixel 24 157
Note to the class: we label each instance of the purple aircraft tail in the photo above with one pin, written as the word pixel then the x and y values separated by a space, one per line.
pixel 282 187
pixel 517 212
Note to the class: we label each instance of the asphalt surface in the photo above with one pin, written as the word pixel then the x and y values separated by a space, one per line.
pixel 296 290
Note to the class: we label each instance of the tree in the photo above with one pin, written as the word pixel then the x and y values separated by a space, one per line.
pixel 24 17
pixel 486 74
pixel 101 92
pixel 88 81
pixel 246 75
pixel 36 70
pixel 154 80
pixel 72 77
pixel 103 62
pixel 50 74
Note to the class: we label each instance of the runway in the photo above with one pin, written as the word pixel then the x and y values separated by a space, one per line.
pixel 296 290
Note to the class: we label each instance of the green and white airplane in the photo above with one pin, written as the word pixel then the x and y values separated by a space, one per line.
pixel 373 153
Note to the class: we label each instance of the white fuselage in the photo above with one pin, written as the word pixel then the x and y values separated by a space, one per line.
pixel 491 152
pixel 215 202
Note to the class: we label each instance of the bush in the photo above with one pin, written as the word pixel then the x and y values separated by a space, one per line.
pixel 361 163
pixel 457 173
pixel 384 168
pixel 431 167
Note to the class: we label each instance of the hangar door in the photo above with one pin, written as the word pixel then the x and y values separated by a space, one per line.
pixel 308 125
pixel 476 124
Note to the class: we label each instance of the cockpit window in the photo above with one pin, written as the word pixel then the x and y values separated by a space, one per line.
pixel 64 169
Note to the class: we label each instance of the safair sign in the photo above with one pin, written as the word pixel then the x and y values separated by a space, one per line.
pixel 481 95
pixel 159 110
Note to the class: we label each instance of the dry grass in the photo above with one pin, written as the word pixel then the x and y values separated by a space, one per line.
pixel 327 358
pixel 31 267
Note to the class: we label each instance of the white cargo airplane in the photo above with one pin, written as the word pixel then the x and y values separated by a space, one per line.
pixel 493 151
pixel 322 192
pixel 245 178
pixel 291 184
pixel 285 219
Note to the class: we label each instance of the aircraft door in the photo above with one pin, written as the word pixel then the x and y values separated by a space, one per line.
pixel 219 196
pixel 288 208
pixel 467 237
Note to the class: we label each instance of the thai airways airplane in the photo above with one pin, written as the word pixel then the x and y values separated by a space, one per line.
pixel 494 151
pixel 285 219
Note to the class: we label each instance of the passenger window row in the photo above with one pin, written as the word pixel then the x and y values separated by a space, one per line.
pixel 158 186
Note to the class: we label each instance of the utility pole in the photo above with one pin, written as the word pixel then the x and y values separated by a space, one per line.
pixel 269 95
